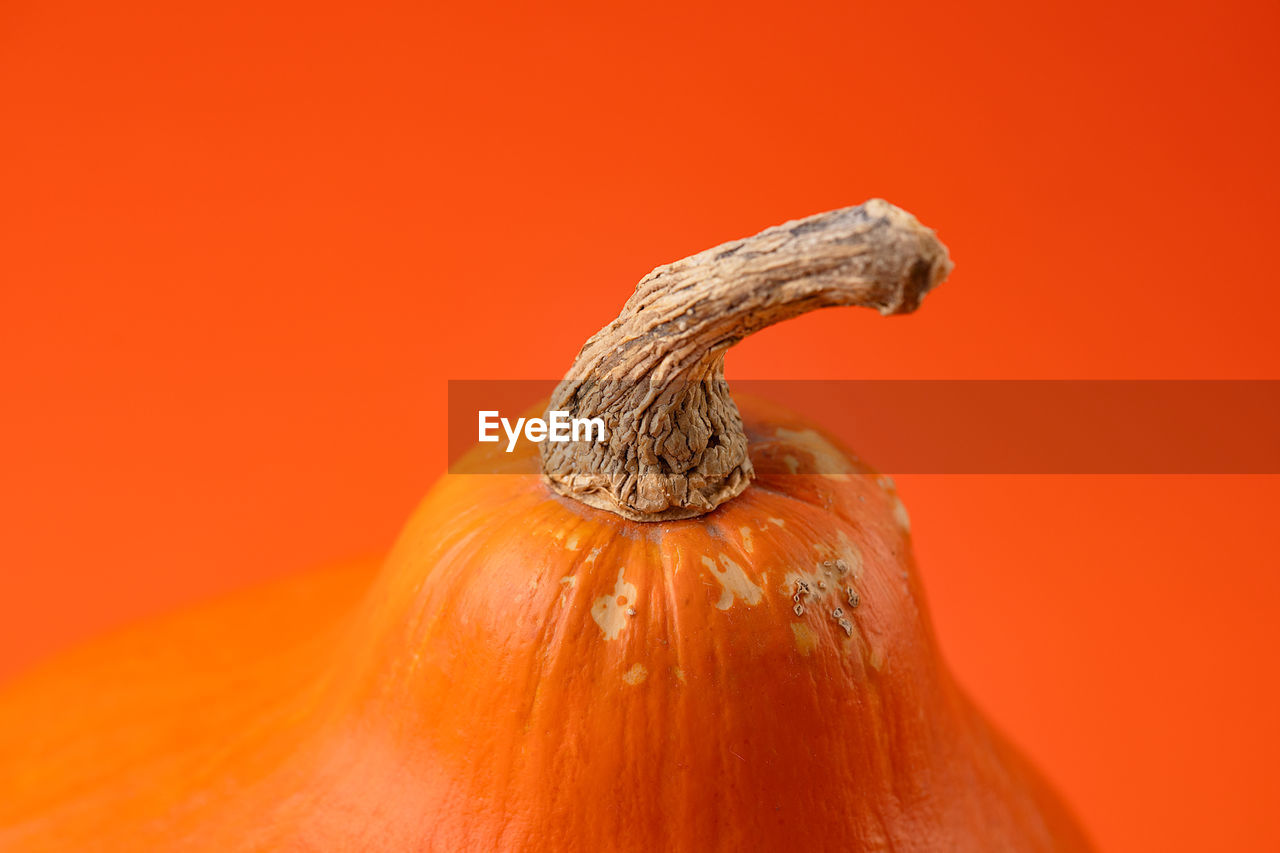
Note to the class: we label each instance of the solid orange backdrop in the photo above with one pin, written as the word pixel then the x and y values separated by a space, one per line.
pixel 244 245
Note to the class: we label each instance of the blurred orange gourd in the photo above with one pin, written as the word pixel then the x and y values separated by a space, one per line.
pixel 705 633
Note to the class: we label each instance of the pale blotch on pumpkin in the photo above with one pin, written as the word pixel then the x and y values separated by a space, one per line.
pixel 747 544
pixel 809 589
pixel 821 588
pixel 636 675
pixel 567 585
pixel 899 508
pixel 733 581
pixel 568 537
pixel 850 553
pixel 900 514
pixel 778 522
pixel 610 611
pixel 827 458
pixel 806 638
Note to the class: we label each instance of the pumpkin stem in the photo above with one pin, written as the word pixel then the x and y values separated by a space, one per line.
pixel 675 447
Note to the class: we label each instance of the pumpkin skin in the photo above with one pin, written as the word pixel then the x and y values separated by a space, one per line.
pixel 528 673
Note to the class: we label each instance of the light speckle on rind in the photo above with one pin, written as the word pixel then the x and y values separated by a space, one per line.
pixel 849 551
pixel 899 508
pixel 636 675
pixel 610 611
pixel 569 580
pixel 733 581
pixel 801 586
pixel 900 514
pixel 679 674
pixel 574 542
pixel 778 522
pixel 827 458
pixel 806 638
pixel 793 464
pixel 747 544
pixel 840 565
pixel 591 557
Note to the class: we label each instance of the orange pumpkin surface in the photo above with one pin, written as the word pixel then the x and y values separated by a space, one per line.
pixel 526 672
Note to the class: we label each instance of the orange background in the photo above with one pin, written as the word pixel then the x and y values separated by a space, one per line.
pixel 243 246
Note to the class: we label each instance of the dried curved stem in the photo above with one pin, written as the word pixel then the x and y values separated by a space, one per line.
pixel 675 447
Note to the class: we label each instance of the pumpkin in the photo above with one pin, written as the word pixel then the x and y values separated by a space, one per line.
pixel 704 633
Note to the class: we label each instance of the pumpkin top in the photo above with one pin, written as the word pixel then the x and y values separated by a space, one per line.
pixel 675 446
